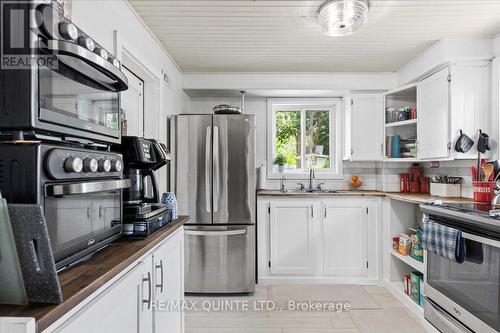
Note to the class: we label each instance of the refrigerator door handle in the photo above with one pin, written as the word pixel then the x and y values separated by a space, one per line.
pixel 216 233
pixel 216 168
pixel 208 162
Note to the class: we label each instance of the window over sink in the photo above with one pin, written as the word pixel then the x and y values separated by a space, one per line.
pixel 304 134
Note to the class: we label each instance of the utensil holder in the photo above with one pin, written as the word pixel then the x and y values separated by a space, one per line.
pixel 483 191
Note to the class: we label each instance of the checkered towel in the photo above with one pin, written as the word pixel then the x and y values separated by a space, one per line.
pixel 442 240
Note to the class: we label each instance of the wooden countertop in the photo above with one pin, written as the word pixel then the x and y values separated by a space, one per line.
pixel 81 281
pixel 416 198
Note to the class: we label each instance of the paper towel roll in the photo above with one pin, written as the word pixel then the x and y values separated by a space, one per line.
pixel 261 177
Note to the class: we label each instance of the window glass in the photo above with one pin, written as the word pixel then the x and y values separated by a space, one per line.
pixel 289 138
pixel 317 140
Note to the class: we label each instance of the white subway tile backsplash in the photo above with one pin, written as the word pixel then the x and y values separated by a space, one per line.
pixel 384 176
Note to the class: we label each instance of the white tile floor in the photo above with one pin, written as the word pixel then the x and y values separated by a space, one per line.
pixel 391 317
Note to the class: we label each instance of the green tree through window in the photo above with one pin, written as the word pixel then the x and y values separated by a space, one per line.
pixel 311 128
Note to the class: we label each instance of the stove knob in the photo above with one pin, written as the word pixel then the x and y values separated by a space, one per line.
pixel 104 165
pixel 116 166
pixel 68 31
pixel 90 165
pixel 86 43
pixel 116 63
pixel 102 52
pixel 73 164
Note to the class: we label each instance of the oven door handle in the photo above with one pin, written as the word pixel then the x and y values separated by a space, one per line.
pixel 59 47
pixel 86 187
pixel 481 239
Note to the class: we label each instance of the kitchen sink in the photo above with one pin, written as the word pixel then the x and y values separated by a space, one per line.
pixel 316 191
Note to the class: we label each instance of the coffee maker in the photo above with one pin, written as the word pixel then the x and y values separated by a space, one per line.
pixel 143 214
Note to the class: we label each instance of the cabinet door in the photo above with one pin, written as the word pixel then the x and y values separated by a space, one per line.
pixel 433 109
pixel 120 308
pixel 291 238
pixel 469 108
pixel 169 284
pixel 344 238
pixel 367 127
pixel 132 103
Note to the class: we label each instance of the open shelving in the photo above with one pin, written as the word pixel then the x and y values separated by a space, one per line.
pixel 403 216
pixel 409 122
pixel 410 261
pixel 403 97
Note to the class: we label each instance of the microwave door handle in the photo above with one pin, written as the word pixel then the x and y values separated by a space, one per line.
pixel 58 47
pixel 59 190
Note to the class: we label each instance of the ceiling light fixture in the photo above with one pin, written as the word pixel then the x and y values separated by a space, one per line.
pixel 343 17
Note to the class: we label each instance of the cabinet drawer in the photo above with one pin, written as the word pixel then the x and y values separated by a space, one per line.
pixel 119 308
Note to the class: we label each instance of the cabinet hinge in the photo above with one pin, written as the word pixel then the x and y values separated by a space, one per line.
pixel 269 263
pixel 449 77
pixel 352 102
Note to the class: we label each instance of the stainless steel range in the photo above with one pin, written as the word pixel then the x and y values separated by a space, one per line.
pixel 465 297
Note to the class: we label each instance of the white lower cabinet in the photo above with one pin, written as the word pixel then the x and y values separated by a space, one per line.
pixel 344 238
pixel 291 237
pixel 169 286
pixel 319 238
pixel 128 304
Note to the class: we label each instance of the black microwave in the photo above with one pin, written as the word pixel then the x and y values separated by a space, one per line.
pixel 54 78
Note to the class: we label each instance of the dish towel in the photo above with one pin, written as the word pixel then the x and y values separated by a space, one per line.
pixel 443 241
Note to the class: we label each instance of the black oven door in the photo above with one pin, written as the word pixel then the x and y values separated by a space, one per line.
pixel 469 291
pixel 83 217
pixel 79 89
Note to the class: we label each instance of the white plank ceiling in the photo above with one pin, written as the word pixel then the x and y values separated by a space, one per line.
pixel 282 36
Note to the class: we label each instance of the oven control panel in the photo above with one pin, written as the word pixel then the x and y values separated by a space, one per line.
pixel 63 163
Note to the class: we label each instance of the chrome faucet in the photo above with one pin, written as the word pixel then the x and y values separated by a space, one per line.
pixel 311 177
pixel 282 185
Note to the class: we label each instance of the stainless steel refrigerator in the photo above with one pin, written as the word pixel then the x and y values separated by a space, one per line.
pixel 214 180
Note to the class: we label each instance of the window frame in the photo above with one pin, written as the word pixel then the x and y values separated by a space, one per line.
pixel 332 105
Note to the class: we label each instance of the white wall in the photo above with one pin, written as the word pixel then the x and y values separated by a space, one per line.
pixel 114 25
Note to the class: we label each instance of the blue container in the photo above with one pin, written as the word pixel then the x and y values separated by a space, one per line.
pixel 396 146
pixel 169 199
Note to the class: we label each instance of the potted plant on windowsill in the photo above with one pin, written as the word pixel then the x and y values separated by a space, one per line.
pixel 280 162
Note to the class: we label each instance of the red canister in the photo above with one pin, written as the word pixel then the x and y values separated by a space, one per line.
pixel 413 113
pixel 404 179
pixel 424 184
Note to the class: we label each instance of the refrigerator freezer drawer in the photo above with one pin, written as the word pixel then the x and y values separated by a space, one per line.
pixel 220 259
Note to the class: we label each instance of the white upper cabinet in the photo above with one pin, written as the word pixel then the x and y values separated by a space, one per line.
pixel 433 107
pixel 469 96
pixel 365 127
pixel 291 237
pixel 344 238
